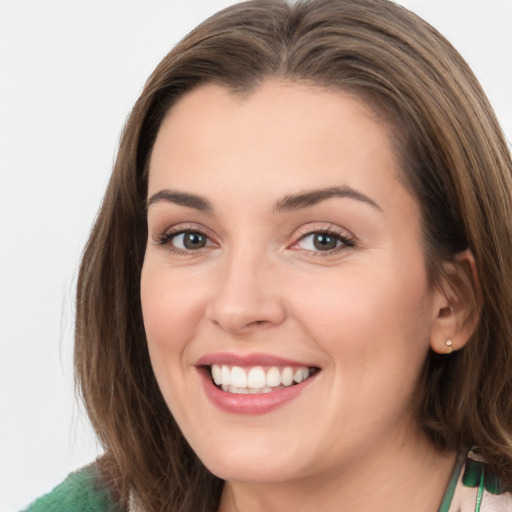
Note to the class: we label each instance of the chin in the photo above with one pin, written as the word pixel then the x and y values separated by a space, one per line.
pixel 252 465
pixel 250 472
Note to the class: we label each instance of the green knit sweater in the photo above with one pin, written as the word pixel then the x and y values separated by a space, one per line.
pixel 473 488
pixel 80 492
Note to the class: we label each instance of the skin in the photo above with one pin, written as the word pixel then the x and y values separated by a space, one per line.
pixel 365 313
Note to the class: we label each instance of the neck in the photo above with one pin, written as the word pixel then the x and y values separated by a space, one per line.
pixel 407 477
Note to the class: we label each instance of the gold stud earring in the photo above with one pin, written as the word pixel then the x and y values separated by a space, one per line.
pixel 449 344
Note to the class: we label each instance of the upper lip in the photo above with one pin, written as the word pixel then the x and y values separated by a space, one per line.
pixel 254 359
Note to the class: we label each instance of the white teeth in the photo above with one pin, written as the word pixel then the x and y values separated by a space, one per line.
pixel 287 376
pixel 239 391
pixel 273 377
pixel 216 374
pixel 256 378
pixel 238 377
pixel 240 380
pixel 225 375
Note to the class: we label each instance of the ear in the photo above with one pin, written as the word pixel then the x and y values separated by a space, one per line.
pixel 456 305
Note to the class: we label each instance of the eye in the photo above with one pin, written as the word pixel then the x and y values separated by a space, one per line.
pixel 185 240
pixel 324 241
pixel 189 240
pixel 320 242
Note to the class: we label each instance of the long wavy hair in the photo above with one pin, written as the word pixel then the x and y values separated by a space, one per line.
pixel 454 160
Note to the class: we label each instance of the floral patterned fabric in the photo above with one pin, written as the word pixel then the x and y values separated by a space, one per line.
pixel 475 488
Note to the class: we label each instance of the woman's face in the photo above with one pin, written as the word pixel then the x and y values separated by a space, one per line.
pixel 285 257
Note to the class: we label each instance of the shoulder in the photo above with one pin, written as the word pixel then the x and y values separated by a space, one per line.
pixel 80 492
pixel 475 488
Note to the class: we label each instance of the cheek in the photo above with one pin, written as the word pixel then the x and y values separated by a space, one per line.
pixel 367 317
pixel 374 329
pixel 171 312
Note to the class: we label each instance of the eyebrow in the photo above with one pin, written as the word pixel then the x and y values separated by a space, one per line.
pixel 287 203
pixel 312 197
pixel 180 198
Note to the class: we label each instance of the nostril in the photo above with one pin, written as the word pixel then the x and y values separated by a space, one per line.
pixel 257 322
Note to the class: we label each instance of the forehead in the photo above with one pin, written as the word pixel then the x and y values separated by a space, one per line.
pixel 275 127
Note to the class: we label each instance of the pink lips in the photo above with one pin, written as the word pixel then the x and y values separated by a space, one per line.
pixel 249 404
pixel 245 360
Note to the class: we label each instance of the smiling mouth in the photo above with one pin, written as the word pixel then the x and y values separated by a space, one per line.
pixel 258 379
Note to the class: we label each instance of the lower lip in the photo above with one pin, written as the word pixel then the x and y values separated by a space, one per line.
pixel 251 404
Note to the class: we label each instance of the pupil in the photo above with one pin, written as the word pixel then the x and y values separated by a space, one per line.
pixel 324 242
pixel 194 240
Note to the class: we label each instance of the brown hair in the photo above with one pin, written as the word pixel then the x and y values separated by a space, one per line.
pixel 454 159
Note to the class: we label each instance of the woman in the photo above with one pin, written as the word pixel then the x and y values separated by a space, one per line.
pixel 297 288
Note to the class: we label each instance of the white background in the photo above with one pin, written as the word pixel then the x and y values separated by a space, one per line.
pixel 70 70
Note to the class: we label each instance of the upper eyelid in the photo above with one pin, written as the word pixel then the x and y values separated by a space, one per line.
pixel 339 236
pixel 343 234
pixel 170 235
pixel 299 233
pixel 181 227
pixel 324 227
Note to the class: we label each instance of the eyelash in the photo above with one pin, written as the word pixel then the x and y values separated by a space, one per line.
pixel 345 241
pixel 167 238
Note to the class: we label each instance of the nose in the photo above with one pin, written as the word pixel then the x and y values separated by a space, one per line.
pixel 246 295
